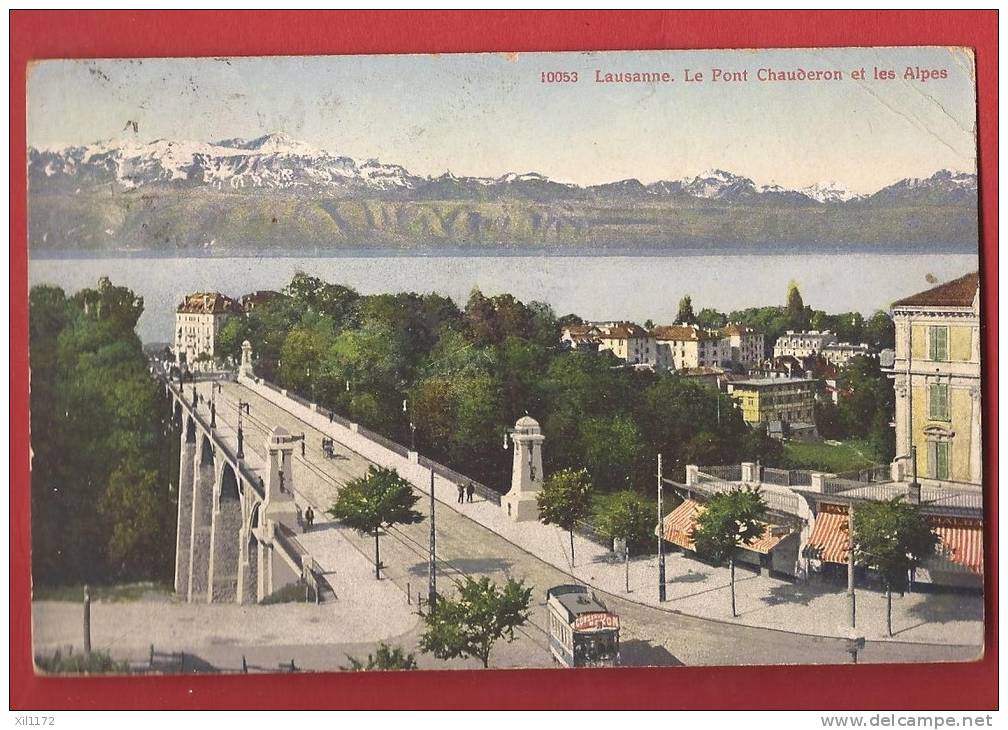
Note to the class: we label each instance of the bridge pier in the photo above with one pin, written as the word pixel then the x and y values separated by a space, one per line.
pixel 225 538
pixel 202 518
pixel 183 539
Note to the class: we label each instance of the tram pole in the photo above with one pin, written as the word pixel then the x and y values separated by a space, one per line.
pixel 661 549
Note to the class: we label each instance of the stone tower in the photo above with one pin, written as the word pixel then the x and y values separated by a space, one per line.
pixel 246 360
pixel 279 505
pixel 526 471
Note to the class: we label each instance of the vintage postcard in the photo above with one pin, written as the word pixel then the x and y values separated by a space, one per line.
pixel 505 361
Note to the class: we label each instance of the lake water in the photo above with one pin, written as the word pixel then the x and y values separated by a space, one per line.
pixel 594 287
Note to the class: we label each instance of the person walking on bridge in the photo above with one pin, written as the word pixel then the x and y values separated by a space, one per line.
pixel 470 488
pixel 461 493
pixel 309 516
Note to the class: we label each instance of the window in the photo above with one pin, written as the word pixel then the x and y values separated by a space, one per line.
pixel 938 402
pixel 938 343
pixel 940 452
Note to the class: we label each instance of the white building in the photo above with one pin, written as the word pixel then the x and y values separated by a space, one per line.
pixel 688 346
pixel 803 344
pixel 629 342
pixel 198 320
pixel 841 353
pixel 745 344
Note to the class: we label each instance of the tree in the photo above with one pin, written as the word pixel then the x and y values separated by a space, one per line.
pixel 379 500
pixel 385 659
pixel 469 625
pixel 798 317
pixel 685 315
pixel 728 520
pixel 629 518
pixel 892 538
pixel 564 500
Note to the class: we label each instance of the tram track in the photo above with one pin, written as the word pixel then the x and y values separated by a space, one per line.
pixel 537 633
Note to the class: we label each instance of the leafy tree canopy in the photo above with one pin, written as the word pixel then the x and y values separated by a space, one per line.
pixel 892 538
pixel 385 659
pixel 728 520
pixel 469 624
pixel 378 500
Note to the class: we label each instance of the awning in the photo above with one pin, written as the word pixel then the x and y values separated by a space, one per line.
pixel 677 527
pixel 961 539
pixel 961 542
pixel 828 541
pixel 679 523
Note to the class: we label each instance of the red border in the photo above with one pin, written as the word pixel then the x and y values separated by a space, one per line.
pixel 49 34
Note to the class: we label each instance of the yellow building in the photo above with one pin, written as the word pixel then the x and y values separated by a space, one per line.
pixel 937 381
pixel 764 400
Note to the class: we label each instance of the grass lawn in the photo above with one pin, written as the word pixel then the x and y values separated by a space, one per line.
pixel 120 592
pixel 821 456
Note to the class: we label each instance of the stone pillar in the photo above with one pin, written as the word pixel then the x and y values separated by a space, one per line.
pixel 202 517
pixel 245 369
pixel 225 539
pixel 903 415
pixel 817 480
pixel 526 471
pixel 279 504
pixel 692 474
pixel 750 475
pixel 976 436
pixel 183 537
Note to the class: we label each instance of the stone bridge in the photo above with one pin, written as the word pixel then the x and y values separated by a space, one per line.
pixel 237 520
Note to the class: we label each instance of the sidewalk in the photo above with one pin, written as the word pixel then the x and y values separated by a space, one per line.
pixel 693 588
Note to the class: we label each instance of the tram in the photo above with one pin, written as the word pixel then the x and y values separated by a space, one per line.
pixel 583 633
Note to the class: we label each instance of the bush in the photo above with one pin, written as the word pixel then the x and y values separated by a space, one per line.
pixel 97 662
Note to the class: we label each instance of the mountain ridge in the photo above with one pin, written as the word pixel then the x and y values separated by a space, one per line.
pixel 96 196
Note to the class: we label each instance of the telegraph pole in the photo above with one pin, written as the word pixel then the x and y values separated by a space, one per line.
pixel 851 598
pixel 661 550
pixel 431 553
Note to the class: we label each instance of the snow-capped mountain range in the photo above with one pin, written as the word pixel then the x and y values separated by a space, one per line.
pixel 279 162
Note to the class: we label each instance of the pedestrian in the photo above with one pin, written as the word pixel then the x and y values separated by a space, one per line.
pixel 470 488
pixel 302 448
pixel 309 516
pixel 461 493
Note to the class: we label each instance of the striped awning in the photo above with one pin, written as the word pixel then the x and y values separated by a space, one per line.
pixel 961 539
pixel 961 542
pixel 677 528
pixel 828 541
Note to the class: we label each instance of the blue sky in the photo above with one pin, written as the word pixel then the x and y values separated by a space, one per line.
pixel 487 114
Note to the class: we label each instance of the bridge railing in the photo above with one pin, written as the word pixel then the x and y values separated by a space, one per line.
pixel 487 493
pixel 244 471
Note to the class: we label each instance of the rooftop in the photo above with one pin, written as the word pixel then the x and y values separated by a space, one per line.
pixel 208 303
pixel 761 382
pixel 624 331
pixel 956 293
pixel 681 332
pixel 578 602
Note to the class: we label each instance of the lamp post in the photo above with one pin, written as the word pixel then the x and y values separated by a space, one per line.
pixel 242 407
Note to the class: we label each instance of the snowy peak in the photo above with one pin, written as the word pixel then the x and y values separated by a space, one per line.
pixel 828 191
pixel 278 161
pixel 719 185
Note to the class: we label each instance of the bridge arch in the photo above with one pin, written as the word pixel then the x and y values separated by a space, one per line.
pixel 204 483
pixel 250 592
pixel 225 542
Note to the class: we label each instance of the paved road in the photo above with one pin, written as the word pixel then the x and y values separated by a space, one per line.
pixel 650 636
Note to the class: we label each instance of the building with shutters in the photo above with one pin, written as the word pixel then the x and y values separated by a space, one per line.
pixel 937 380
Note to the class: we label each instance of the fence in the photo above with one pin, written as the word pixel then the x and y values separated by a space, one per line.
pixel 875 473
pixel 727 472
